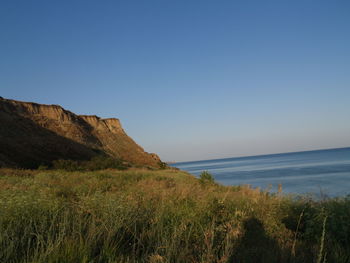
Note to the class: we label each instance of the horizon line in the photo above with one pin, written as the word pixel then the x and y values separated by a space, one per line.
pixel 258 155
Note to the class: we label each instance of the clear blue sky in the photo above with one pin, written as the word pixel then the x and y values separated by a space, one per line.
pixel 189 79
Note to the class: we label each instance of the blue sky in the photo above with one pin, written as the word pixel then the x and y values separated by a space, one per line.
pixel 189 80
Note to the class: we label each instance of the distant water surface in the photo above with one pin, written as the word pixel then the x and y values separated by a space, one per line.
pixel 322 172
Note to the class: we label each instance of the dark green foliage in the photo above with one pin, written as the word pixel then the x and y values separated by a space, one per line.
pixel 163 165
pixel 43 167
pixel 206 177
pixel 68 165
pixel 102 162
pixel 96 163
pixel 312 225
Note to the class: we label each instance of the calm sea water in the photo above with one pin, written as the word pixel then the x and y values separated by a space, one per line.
pixel 322 172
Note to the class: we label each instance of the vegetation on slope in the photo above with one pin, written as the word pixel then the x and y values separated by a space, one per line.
pixel 161 216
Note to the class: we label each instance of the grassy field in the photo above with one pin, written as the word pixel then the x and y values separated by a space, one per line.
pixel 162 216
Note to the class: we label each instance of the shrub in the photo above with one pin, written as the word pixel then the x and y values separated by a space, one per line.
pixel 43 167
pixel 68 165
pixel 96 163
pixel 102 162
pixel 205 176
pixel 162 165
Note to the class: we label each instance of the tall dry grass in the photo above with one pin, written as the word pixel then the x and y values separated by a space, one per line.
pixel 161 216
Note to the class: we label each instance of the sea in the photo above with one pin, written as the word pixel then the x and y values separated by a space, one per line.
pixel 320 174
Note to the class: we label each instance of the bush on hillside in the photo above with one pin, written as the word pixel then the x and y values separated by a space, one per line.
pixel 96 163
pixel 163 165
pixel 206 177
pixel 68 165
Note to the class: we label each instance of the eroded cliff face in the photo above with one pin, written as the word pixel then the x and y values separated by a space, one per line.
pixel 32 133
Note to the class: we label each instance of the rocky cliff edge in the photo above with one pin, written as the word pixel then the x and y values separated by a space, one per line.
pixel 32 134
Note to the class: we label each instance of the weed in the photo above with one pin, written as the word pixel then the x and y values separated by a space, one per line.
pixel 161 216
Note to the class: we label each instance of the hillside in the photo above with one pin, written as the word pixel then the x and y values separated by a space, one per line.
pixel 163 216
pixel 32 134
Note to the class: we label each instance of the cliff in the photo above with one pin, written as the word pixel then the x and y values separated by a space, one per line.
pixel 32 134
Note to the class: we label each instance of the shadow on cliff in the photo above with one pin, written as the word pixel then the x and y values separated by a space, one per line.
pixel 256 246
pixel 25 144
pixel 49 132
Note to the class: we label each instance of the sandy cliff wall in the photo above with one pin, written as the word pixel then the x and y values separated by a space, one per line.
pixel 50 132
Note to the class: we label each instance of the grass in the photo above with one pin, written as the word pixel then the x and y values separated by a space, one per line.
pixel 161 216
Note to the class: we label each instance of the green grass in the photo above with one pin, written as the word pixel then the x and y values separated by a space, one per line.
pixel 161 216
